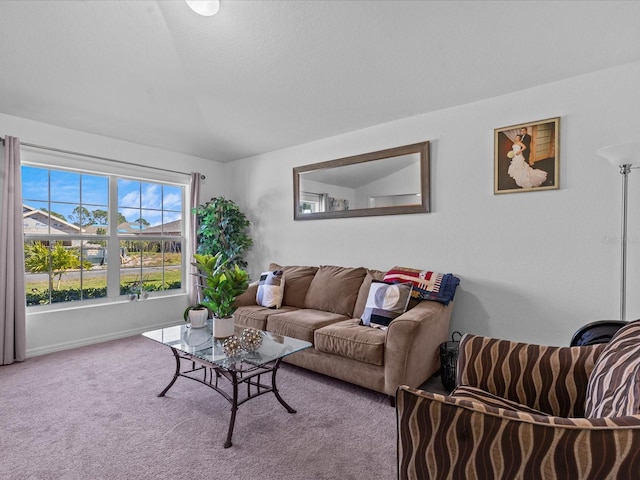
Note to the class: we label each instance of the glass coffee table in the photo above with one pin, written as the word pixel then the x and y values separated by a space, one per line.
pixel 201 357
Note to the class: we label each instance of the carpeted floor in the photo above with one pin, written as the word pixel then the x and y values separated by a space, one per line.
pixel 93 412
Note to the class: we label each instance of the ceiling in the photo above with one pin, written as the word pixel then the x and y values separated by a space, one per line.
pixel 264 75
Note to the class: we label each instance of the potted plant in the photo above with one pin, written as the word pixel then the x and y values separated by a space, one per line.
pixel 221 284
pixel 223 229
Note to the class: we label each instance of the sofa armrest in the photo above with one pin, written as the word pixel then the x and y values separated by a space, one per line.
pixel 550 379
pixel 441 437
pixel 412 345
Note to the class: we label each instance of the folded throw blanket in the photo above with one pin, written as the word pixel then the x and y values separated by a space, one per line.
pixel 438 287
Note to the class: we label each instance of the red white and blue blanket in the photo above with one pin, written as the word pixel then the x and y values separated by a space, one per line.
pixel 427 285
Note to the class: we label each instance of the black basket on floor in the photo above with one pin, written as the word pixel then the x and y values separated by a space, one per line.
pixel 449 361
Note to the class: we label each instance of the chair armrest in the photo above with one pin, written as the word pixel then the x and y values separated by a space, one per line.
pixel 550 379
pixel 440 437
pixel 412 345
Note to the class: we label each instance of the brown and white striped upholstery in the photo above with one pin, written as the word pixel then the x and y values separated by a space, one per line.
pixel 614 386
pixel 549 379
pixel 485 434
pixel 443 438
pixel 473 394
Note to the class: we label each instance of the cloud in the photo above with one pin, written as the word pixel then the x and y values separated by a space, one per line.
pixel 172 201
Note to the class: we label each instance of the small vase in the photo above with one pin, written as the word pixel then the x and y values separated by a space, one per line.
pixel 223 327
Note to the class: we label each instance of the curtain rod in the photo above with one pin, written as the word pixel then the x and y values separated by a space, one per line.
pixel 122 162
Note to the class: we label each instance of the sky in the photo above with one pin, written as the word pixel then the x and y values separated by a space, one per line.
pixel 62 191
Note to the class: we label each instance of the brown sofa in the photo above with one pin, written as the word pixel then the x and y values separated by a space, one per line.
pixel 323 305
pixel 524 411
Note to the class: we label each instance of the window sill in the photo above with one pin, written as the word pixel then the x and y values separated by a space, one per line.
pixel 107 302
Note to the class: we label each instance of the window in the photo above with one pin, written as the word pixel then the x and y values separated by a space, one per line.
pixel 90 236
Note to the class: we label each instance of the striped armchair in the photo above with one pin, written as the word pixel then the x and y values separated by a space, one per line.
pixel 524 411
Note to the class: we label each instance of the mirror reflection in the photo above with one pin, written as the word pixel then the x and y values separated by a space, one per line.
pixel 393 181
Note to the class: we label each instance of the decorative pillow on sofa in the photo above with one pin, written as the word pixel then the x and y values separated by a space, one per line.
pixel 363 293
pixel 439 287
pixel 385 302
pixel 613 389
pixel 270 289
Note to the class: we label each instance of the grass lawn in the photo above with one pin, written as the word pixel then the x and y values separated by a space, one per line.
pixel 153 279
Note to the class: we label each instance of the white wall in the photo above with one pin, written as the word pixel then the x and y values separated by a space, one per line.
pixel 534 266
pixel 73 326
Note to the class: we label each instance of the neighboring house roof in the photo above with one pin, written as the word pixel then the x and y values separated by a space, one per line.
pixel 36 222
pixel 94 228
pixel 170 228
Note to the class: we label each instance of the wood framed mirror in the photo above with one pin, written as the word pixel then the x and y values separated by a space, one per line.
pixel 388 182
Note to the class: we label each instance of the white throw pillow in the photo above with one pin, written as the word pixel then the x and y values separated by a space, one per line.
pixel 270 289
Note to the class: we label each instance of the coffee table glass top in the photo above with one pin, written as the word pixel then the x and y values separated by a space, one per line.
pixel 200 343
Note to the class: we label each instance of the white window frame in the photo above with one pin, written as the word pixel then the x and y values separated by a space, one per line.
pixel 113 172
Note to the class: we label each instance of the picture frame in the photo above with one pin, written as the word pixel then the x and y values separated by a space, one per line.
pixel 537 167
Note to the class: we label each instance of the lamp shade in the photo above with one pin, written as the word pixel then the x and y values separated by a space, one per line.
pixel 205 8
pixel 621 154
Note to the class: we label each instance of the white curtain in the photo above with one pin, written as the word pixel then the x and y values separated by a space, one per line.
pixel 13 310
pixel 194 201
pixel 511 134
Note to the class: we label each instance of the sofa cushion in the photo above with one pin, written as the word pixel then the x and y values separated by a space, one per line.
pixel 335 289
pixel 297 280
pixel 351 340
pixel 438 287
pixel 613 389
pixel 474 394
pixel 270 289
pixel 363 293
pixel 385 302
pixel 255 316
pixel 301 323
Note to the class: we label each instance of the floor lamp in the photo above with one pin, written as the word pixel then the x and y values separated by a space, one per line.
pixel 624 156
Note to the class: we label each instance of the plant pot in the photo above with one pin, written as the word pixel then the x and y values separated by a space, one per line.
pixel 223 327
pixel 198 318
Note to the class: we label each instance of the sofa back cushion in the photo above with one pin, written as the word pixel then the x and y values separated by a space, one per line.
pixel 297 280
pixel 335 289
pixel 614 385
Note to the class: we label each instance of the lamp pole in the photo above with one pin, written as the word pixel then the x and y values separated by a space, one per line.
pixel 624 170
pixel 625 157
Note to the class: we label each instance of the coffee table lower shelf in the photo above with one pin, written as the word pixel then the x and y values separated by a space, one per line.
pixel 208 374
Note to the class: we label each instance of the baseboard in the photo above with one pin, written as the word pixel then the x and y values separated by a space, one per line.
pixel 35 352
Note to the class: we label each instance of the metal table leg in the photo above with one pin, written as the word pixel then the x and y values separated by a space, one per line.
pixel 275 388
pixel 234 409
pixel 175 375
pixel 235 378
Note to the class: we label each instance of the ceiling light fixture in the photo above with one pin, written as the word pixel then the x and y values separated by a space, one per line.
pixel 206 8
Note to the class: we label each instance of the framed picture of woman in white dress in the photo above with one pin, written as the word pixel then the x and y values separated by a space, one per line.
pixel 527 157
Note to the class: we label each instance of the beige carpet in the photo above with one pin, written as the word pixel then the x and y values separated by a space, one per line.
pixel 93 413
